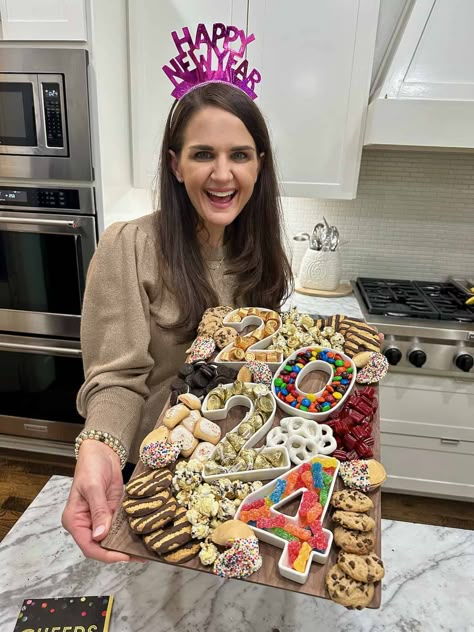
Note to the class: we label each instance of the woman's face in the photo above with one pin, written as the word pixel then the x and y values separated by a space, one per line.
pixel 218 165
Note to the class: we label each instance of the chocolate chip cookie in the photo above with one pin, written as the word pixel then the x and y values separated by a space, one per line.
pixel 353 541
pixel 353 520
pixel 224 336
pixel 347 591
pixel 351 500
pixel 364 568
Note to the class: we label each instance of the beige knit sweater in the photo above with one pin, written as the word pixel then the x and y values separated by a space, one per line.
pixel 129 361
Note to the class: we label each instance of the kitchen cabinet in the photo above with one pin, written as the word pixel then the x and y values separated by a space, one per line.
pixel 427 435
pixel 316 60
pixel 315 57
pixel 43 20
pixel 426 95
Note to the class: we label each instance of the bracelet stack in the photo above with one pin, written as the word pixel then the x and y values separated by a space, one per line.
pixel 104 437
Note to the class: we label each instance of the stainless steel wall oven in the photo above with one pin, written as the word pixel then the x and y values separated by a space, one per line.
pixel 47 238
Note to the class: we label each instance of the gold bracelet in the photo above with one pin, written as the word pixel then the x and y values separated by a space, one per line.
pixel 103 437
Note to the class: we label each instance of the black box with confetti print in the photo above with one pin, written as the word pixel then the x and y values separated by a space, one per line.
pixel 65 614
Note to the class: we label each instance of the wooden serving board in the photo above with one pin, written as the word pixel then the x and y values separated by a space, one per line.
pixel 343 289
pixel 121 538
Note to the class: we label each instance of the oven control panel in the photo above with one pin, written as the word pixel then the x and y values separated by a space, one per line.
pixel 430 356
pixel 39 197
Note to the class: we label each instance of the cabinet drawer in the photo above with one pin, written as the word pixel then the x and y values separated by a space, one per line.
pixel 427 400
pixel 428 465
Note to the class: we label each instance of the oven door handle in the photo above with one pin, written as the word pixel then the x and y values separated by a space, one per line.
pixel 60 351
pixel 72 223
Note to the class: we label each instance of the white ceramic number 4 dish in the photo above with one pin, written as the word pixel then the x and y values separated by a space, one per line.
pixel 284 566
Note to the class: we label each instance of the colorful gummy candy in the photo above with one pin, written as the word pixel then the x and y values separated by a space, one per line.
pixel 269 523
pixel 282 533
pixel 254 505
pixel 314 512
pixel 291 482
pixel 319 542
pixel 327 479
pixel 277 493
pixel 323 496
pixel 316 471
pixel 255 514
pixel 298 532
pixel 309 499
pixel 300 563
pixel 285 382
pixel 294 547
pixel 307 479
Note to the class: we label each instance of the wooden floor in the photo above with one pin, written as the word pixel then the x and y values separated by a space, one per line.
pixel 23 475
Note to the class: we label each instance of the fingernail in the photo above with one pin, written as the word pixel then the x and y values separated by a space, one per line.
pixel 99 531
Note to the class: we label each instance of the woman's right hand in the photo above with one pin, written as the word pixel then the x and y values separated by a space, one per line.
pixel 96 491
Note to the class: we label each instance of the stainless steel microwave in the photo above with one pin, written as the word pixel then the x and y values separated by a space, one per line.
pixel 44 114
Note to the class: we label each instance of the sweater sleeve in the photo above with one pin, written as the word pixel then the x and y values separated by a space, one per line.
pixel 115 332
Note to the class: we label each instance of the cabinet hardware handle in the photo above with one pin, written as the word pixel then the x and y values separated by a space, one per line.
pixel 450 441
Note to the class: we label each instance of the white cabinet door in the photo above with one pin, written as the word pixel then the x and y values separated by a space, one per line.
pixel 43 20
pixel 151 47
pixel 315 57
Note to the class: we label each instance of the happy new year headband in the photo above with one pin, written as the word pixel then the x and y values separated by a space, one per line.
pixel 211 58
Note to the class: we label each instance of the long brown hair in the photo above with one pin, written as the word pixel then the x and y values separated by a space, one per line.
pixel 254 249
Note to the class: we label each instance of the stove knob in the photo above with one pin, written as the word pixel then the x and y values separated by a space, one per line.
pixel 417 357
pixel 464 361
pixel 393 355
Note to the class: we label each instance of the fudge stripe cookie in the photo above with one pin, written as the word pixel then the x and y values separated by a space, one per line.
pixel 166 540
pixel 155 520
pixel 353 541
pixel 364 568
pixel 149 483
pixel 142 507
pixel 347 591
pixel 184 553
pixel 353 520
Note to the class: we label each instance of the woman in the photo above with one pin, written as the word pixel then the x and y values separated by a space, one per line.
pixel 216 241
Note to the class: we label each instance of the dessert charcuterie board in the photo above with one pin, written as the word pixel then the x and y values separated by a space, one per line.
pixel 121 538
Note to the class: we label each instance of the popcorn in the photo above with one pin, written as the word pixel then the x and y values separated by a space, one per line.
pixel 208 554
pixel 208 504
pixel 200 532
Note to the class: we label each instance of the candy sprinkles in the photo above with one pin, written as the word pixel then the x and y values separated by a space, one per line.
pixel 160 453
pixel 285 382
pixel 240 560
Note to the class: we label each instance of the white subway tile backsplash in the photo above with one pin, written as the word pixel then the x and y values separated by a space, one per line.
pixel 413 217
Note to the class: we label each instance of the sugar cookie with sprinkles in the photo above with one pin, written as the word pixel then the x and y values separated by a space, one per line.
pixel 374 371
pixel 261 373
pixel 242 559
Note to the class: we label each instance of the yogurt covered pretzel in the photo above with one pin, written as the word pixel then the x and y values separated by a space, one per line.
pixel 303 438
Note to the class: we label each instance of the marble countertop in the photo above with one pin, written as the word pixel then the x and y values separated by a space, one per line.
pixel 429 583
pixel 347 305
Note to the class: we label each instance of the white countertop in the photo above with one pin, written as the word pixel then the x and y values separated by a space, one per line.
pixel 429 583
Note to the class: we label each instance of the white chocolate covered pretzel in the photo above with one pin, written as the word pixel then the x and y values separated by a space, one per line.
pixel 303 438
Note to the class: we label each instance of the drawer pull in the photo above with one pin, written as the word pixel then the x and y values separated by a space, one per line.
pixel 450 441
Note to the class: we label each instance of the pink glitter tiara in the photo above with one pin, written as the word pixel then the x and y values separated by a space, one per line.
pixel 211 58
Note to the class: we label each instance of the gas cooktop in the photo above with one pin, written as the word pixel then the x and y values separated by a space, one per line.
pixel 415 299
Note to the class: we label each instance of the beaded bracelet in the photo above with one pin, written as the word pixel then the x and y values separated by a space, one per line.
pixel 103 437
